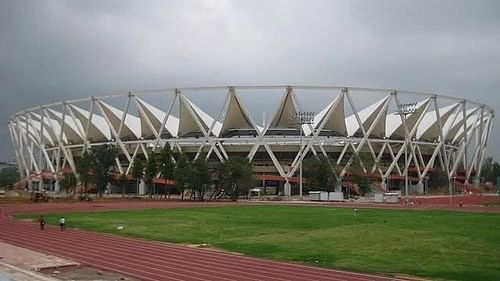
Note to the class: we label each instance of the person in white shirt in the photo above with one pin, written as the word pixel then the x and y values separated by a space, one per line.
pixel 62 223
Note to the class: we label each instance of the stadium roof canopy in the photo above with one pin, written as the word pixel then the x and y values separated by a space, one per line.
pixel 108 121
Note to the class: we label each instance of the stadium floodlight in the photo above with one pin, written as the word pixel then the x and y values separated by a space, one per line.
pixel 301 118
pixel 407 108
pixel 404 110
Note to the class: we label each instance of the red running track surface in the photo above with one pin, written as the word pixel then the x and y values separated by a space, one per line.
pixel 148 260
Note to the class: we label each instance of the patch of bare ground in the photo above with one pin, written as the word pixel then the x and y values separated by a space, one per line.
pixel 83 273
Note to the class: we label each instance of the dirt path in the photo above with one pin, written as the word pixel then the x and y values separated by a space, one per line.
pixel 470 203
pixel 147 260
pixel 105 205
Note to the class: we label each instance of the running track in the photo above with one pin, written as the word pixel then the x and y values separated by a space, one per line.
pixel 147 260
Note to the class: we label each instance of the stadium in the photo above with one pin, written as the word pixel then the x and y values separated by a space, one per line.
pixel 276 127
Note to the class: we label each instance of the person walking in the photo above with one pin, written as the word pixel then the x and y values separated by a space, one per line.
pixel 62 223
pixel 42 222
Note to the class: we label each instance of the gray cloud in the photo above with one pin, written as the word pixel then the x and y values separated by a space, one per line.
pixel 56 50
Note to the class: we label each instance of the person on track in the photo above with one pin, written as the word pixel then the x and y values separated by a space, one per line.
pixel 62 223
pixel 42 222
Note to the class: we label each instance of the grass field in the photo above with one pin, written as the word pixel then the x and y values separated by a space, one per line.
pixel 433 244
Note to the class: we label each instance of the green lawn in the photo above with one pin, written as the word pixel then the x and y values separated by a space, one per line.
pixel 433 244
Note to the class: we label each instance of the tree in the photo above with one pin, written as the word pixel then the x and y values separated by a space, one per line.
pixel 166 165
pixel 103 162
pixel 319 173
pixel 84 170
pixel 183 173
pixel 68 182
pixel 201 175
pixel 123 181
pixel 490 170
pixel 137 171
pixel 236 176
pixel 8 177
pixel 358 175
pixel 438 179
pixel 150 172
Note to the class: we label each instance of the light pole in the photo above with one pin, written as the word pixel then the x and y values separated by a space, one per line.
pixel 403 110
pixel 451 187
pixel 454 184
pixel 426 185
pixel 301 118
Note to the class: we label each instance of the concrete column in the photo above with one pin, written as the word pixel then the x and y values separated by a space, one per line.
pixel 142 188
pixel 287 189
pixel 477 182
pixel 383 185
pixel 419 188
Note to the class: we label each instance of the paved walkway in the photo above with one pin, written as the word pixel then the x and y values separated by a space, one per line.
pixel 13 273
pixel 147 260
pixel 30 260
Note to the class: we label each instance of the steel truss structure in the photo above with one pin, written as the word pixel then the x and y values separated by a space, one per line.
pixel 443 131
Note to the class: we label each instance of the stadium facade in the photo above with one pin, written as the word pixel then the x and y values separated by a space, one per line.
pixel 445 132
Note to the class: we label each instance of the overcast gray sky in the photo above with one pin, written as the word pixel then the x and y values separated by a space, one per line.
pixel 59 50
